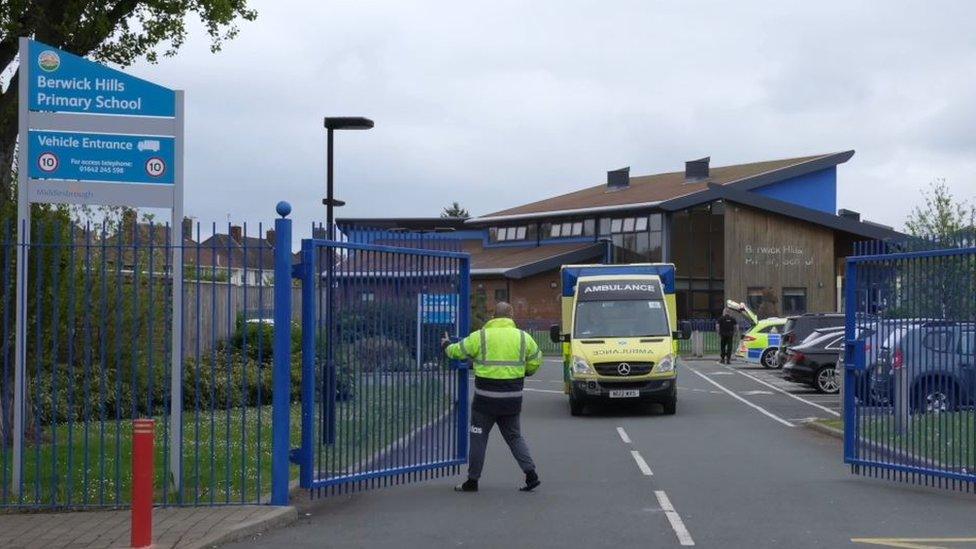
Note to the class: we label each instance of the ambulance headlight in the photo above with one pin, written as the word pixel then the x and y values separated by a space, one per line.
pixel 581 366
pixel 665 365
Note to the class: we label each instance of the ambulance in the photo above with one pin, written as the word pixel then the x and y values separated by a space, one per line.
pixel 619 332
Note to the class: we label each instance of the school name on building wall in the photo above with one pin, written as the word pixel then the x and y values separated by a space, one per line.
pixel 777 256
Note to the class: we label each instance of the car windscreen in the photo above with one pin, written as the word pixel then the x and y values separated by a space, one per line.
pixel 625 318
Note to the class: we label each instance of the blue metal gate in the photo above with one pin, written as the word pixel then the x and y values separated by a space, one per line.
pixel 910 366
pixel 381 404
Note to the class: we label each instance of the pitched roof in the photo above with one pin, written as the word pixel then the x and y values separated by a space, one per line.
pixel 252 253
pixel 649 190
pixel 520 262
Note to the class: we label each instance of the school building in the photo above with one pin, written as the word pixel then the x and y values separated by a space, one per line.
pixel 768 233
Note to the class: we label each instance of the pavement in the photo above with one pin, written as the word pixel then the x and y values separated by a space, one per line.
pixel 733 468
pixel 184 527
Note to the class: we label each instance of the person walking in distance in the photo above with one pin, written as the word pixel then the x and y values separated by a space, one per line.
pixel 726 330
pixel 502 356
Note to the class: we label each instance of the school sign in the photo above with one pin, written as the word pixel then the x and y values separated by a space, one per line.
pixel 94 135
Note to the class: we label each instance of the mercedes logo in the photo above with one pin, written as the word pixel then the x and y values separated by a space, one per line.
pixel 623 369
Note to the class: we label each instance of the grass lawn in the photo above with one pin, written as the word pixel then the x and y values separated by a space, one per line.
pixel 226 453
pixel 947 438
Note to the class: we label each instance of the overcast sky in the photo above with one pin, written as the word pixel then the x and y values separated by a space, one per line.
pixel 494 104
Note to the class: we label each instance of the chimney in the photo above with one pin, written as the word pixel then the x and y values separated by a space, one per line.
pixel 697 170
pixel 849 214
pixel 618 179
pixel 235 233
pixel 187 228
pixel 270 236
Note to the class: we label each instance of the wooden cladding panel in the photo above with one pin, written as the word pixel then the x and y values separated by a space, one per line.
pixel 772 251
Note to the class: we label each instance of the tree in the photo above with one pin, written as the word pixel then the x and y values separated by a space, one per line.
pixel 455 211
pixel 941 218
pixel 939 286
pixel 114 31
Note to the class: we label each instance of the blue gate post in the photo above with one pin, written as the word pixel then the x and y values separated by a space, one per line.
pixel 464 315
pixel 281 373
pixel 851 356
pixel 309 273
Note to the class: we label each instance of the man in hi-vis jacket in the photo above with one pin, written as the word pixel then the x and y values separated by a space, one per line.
pixel 502 355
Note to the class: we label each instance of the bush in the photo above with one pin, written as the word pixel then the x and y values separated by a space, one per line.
pixel 256 339
pixel 375 354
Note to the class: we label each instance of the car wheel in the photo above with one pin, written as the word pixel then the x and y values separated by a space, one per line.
pixel 939 398
pixel 825 380
pixel 768 358
pixel 576 406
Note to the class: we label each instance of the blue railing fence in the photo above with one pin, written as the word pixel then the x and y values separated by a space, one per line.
pixel 98 354
pixel 910 388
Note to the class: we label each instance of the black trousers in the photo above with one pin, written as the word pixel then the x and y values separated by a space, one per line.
pixel 726 350
pixel 508 424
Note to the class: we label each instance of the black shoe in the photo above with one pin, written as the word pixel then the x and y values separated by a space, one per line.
pixel 469 485
pixel 531 482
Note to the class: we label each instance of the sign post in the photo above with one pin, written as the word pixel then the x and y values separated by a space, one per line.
pixel 93 135
pixel 434 309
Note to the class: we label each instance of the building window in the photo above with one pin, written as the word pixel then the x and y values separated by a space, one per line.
pixel 367 297
pixel 569 228
pixel 508 234
pixel 637 239
pixel 755 298
pixel 501 294
pixel 794 301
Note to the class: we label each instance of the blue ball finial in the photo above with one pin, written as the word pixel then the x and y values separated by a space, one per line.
pixel 283 208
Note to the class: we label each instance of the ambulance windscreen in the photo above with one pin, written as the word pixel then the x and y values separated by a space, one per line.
pixel 621 318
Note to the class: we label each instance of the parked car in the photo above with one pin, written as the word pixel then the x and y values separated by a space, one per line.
pixel 797 329
pixel 819 359
pixel 939 359
pixel 760 343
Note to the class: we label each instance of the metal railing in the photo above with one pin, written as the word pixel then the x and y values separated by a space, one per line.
pixel 98 354
pixel 910 389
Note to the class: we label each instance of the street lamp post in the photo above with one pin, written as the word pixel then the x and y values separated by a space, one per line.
pixel 333 123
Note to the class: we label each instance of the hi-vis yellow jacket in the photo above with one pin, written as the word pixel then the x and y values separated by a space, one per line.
pixel 502 355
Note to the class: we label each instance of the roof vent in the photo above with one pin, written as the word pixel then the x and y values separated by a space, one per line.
pixel 618 179
pixel 697 170
pixel 849 214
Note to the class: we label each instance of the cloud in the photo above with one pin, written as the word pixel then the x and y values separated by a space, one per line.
pixel 496 104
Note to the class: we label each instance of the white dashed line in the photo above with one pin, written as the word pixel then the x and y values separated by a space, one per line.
pixel 684 537
pixel 623 435
pixel 641 464
pixel 789 394
pixel 737 397
pixel 542 390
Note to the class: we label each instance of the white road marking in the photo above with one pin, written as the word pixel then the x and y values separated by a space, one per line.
pixel 542 390
pixel 737 397
pixel 719 373
pixel 623 435
pixel 756 392
pixel 684 537
pixel 789 394
pixel 641 464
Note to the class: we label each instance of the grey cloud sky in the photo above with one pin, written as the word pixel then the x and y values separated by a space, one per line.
pixel 495 104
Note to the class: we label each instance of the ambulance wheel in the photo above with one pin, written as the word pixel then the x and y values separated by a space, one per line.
pixel 670 406
pixel 768 359
pixel 576 406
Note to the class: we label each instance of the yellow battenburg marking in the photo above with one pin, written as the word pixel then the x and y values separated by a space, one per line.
pixel 915 543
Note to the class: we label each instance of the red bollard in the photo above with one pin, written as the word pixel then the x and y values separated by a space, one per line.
pixel 142 482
